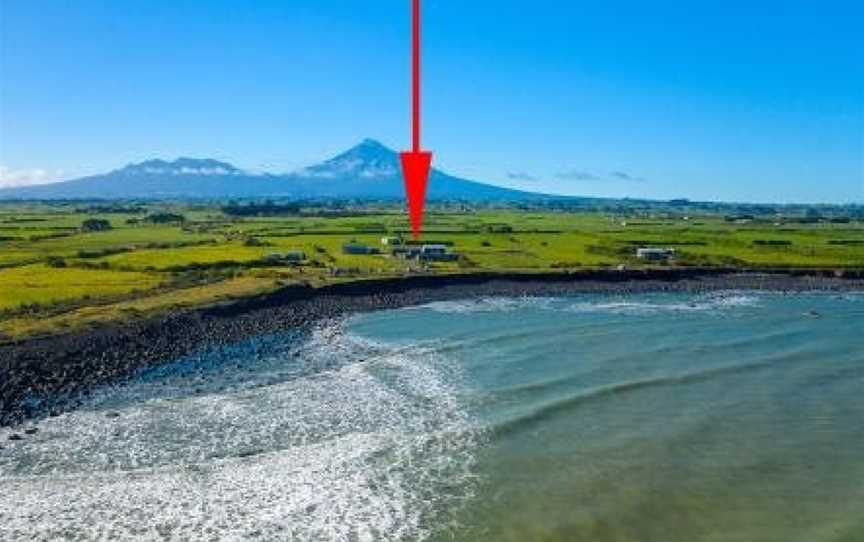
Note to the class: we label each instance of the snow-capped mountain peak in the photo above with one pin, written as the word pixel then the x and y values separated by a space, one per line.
pixel 368 170
pixel 181 166
pixel 368 160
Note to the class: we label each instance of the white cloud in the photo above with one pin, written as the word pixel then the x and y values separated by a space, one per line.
pixel 186 171
pixel 24 177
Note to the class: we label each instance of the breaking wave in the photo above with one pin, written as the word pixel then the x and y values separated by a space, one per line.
pixel 620 304
pixel 569 402
pixel 329 438
pixel 704 303
pixel 487 304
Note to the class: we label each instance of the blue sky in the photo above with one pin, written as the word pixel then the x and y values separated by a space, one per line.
pixel 740 101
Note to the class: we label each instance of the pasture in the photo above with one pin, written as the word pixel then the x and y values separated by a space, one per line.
pixel 53 268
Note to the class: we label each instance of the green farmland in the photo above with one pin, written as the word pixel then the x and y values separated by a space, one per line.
pixel 56 273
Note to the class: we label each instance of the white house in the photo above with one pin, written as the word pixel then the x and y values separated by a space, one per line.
pixel 655 253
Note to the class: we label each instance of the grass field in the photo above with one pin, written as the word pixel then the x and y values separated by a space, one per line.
pixel 53 273
pixel 39 284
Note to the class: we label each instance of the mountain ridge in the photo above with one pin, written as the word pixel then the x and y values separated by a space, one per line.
pixel 201 166
pixel 368 170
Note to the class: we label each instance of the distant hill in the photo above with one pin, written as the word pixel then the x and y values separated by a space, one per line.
pixel 367 171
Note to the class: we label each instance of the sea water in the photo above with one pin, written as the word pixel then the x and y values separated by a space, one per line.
pixel 728 416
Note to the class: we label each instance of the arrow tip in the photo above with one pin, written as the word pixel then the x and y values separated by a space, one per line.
pixel 415 169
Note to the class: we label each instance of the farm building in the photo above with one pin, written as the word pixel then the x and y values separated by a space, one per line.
pixel 655 253
pixel 438 253
pixel 359 249
pixel 407 251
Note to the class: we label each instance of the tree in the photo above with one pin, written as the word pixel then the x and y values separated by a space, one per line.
pixel 95 224
pixel 165 218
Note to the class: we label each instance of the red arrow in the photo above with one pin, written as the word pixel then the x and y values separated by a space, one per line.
pixel 416 164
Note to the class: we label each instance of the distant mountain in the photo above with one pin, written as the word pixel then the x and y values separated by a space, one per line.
pixel 367 171
pixel 155 179
pixel 181 166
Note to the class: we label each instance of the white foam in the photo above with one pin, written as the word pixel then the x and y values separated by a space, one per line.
pixel 623 305
pixel 352 440
pixel 487 304
pixel 719 301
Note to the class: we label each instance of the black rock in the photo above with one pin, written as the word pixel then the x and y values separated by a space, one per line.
pixel 64 368
pixel 15 436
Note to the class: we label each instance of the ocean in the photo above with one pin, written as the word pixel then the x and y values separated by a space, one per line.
pixel 725 416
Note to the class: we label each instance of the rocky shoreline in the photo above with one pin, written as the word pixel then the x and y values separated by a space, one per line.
pixel 42 377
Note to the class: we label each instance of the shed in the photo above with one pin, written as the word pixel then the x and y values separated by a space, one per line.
pixel 359 249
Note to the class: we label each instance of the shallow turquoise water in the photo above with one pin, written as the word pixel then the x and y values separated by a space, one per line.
pixel 664 417
pixel 733 416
